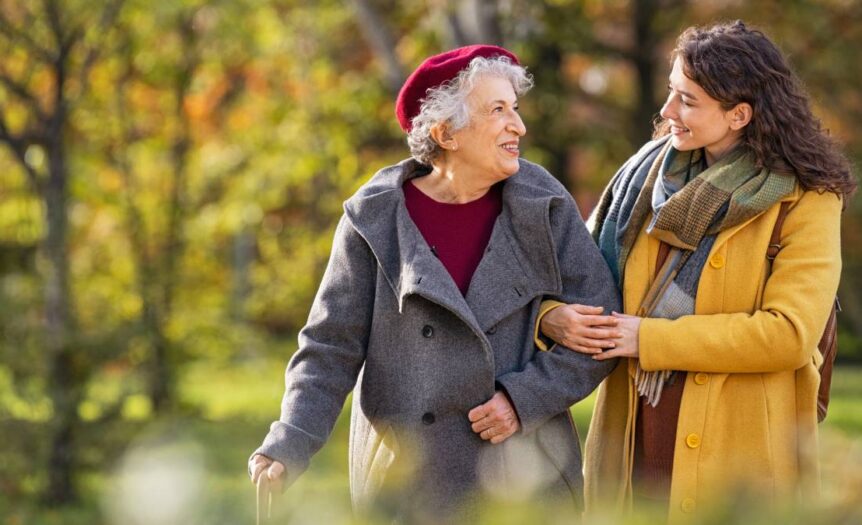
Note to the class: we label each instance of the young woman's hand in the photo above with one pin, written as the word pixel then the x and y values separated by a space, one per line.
pixel 627 344
pixel 581 328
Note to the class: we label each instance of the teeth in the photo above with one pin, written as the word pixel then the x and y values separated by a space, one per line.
pixel 509 147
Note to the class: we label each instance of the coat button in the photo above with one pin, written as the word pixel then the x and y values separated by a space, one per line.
pixel 692 440
pixel 701 378
pixel 428 418
pixel 688 505
pixel 717 261
pixel 427 331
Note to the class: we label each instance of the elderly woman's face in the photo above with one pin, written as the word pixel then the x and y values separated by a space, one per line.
pixel 489 144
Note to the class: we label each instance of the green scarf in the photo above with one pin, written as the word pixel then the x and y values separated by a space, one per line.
pixel 690 204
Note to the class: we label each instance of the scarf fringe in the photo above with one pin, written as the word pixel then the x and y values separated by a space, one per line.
pixel 651 384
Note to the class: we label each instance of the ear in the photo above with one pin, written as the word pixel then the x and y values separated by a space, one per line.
pixel 441 135
pixel 740 115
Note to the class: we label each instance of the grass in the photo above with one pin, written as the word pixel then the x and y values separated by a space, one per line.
pixel 191 469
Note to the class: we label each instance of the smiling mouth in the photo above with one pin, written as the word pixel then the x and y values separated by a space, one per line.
pixel 510 147
pixel 676 130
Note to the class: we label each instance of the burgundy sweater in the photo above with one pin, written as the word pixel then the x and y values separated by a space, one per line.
pixel 456 233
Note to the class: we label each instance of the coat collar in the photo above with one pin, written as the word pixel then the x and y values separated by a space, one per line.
pixel 519 261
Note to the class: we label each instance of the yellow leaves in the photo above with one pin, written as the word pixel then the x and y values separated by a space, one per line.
pixel 137 407
pixel 21 219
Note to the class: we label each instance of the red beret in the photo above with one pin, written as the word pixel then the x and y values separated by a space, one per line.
pixel 433 72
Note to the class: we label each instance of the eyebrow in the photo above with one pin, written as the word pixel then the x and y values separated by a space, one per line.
pixel 687 94
pixel 684 93
pixel 503 102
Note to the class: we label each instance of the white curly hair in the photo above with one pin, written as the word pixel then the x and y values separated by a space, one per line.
pixel 448 102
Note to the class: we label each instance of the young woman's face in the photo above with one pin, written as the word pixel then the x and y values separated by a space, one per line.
pixel 696 119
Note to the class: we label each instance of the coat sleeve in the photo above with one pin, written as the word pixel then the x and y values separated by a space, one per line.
pixel 552 381
pixel 784 333
pixel 331 352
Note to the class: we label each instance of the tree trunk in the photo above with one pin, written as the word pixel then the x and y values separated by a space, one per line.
pixel 380 39
pixel 66 370
pixel 644 62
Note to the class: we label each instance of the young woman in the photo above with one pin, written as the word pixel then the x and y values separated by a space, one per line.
pixel 718 391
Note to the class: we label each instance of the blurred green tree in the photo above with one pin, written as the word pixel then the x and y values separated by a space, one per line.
pixel 50 49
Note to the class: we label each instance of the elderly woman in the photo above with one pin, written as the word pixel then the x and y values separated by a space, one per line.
pixel 718 391
pixel 429 301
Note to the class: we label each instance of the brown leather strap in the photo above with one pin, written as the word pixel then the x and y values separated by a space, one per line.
pixel 828 345
pixel 775 239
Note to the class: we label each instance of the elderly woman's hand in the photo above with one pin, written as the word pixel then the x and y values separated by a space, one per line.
pixel 627 344
pixel 581 328
pixel 261 465
pixel 495 420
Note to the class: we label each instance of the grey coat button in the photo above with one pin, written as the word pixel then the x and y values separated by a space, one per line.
pixel 427 331
pixel 428 418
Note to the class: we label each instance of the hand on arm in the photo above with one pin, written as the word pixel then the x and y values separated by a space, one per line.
pixel 495 420
pixel 628 327
pixel 581 328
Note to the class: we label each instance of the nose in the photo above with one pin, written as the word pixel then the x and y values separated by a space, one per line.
pixel 668 110
pixel 516 125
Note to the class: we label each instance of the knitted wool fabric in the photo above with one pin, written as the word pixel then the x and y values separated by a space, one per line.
pixel 690 204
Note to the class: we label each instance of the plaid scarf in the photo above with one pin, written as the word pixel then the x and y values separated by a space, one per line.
pixel 687 204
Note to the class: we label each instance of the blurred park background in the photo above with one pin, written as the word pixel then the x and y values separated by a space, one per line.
pixel 171 172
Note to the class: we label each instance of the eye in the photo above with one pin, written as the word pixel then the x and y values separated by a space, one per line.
pixel 497 109
pixel 516 107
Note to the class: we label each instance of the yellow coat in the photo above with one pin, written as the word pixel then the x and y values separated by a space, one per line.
pixel 748 412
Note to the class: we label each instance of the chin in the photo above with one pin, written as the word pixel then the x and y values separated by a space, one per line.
pixel 512 169
pixel 680 144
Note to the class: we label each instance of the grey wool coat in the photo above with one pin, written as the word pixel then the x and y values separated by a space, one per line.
pixel 389 320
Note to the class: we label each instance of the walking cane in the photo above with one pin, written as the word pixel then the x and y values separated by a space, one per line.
pixel 264 499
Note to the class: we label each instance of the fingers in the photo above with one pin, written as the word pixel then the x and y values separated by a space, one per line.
pixel 585 349
pixel 498 420
pixel 602 333
pixel 501 430
pixel 579 320
pixel 586 345
pixel 478 412
pixel 259 463
pixel 483 425
pixel 617 352
pixel 586 309
pixel 275 473
pixel 484 416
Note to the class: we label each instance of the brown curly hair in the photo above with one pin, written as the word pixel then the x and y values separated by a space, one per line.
pixel 735 64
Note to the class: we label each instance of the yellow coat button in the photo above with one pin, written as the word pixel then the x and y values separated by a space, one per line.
pixel 688 505
pixel 701 378
pixel 692 440
pixel 717 261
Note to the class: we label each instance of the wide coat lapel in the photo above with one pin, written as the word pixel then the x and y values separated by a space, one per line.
pixel 519 261
pixel 379 214
pixel 515 268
